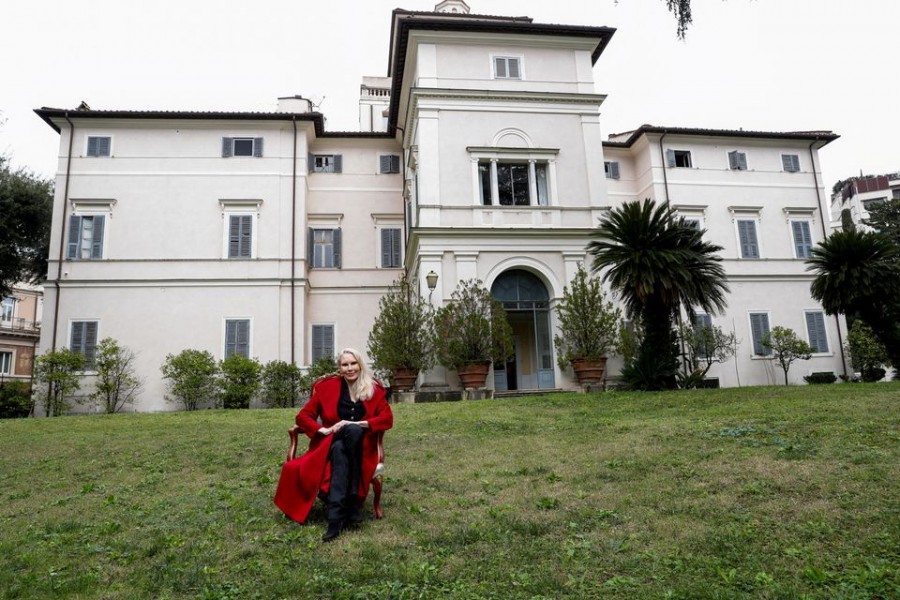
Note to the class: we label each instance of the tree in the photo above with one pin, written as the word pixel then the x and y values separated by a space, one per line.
pixel 884 217
pixel 588 322
pixel 657 264
pixel 192 378
pixel 402 336
pixel 858 272
pixel 58 374
pixel 786 347
pixel 280 382
pixel 683 17
pixel 707 345
pixel 239 381
pixel 117 384
pixel 26 204
pixel 867 354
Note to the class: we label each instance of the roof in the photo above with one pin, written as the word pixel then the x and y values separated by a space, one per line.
pixel 50 115
pixel 632 136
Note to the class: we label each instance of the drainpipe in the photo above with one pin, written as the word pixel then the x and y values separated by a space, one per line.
pixel 662 155
pixel 837 320
pixel 62 233
pixel 293 236
pixel 402 189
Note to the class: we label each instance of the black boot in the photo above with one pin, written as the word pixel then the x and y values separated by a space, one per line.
pixel 334 530
pixel 354 513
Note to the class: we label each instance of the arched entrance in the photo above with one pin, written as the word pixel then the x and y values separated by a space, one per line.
pixel 527 303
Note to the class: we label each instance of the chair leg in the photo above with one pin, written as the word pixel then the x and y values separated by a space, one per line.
pixel 376 501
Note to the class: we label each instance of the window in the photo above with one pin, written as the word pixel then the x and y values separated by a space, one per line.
pixel 679 158
pixel 322 342
pixel 237 337
pixel 873 202
pixel 747 240
pixel 737 161
pixel 98 145
pixel 325 248
pixel 84 340
pixel 895 194
pixel 790 162
pixel 611 168
pixel 325 163
pixel 802 238
pixel 815 329
pixel 705 342
pixel 390 248
pixel 507 67
pixel 242 146
pixel 759 327
pixel 388 164
pixel 240 236
pixel 6 363
pixel 517 183
pixel 85 237
pixel 7 309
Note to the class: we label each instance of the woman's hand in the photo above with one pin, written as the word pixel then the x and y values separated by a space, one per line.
pixel 340 425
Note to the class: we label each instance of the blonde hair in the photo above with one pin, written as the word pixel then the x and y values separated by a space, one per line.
pixel 365 384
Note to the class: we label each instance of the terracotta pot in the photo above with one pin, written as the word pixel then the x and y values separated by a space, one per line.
pixel 403 380
pixel 589 371
pixel 473 375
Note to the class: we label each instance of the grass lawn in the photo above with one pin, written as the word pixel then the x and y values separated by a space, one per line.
pixel 767 492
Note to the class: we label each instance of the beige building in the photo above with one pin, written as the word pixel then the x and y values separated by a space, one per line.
pixel 20 331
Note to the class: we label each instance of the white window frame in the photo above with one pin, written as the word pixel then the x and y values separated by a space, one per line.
pixel 91 208
pixel 240 208
pixel 7 369
pixel 93 136
pixel 747 213
pixel 794 162
pixel 818 311
pixel 812 241
pixel 90 366
pixel 612 169
pixel 672 159
pixel 753 354
pixel 528 156
pixel 387 221
pixel 225 321
pixel 312 327
pixel 330 167
pixel 520 60
pixel 9 302
pixel 691 212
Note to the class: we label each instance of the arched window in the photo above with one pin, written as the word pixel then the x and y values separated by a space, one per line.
pixel 520 289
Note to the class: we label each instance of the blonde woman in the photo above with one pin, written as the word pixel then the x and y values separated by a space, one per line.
pixel 340 419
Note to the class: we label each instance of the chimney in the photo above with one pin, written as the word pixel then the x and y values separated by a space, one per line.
pixel 294 104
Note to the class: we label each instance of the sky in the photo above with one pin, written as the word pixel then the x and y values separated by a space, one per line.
pixel 767 65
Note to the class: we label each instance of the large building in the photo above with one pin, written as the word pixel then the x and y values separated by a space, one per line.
pixel 481 156
pixel 20 331
pixel 857 195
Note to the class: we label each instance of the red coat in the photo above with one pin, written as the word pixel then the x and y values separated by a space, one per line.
pixel 305 477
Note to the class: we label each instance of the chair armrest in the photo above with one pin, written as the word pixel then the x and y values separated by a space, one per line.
pixel 293 432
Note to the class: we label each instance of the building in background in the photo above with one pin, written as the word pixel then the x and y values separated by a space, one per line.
pixel 858 194
pixel 480 155
pixel 20 331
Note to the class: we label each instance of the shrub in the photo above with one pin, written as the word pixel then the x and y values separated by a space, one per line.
pixel 401 337
pixel 58 375
pixel 15 400
pixel 240 380
pixel 280 383
pixel 324 365
pixel 117 384
pixel 821 377
pixel 873 374
pixel 588 322
pixel 192 378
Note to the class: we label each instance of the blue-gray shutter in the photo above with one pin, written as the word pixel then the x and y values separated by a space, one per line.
pixel 802 238
pixel 92 146
pixel 311 248
pixel 97 239
pixel 74 236
pixel 76 344
pixel 322 341
pixel 613 169
pixel 338 162
pixel 103 146
pixel 500 67
pixel 237 337
pixel 230 337
pixel 227 147
pixel 246 236
pixel 258 147
pixel 702 322
pixel 737 160
pixel 395 249
pixel 310 163
pixel 749 244
pixel 336 244
pixel 815 327
pixel 670 157
pixel 759 327
pixel 390 248
pixel 513 65
pixel 90 342
pixel 384 163
pixel 790 162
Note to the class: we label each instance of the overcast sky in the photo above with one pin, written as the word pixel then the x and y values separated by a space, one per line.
pixel 772 65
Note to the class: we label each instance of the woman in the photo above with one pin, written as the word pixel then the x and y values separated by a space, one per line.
pixel 343 414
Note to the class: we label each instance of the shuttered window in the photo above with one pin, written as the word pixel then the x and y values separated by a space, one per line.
pixel 507 67
pixel 326 163
pixel 704 346
pixel 747 238
pixel 759 327
pixel 388 163
pixel 802 238
pixel 390 248
pixel 790 162
pixel 237 337
pixel 679 158
pixel 84 341
pixel 324 248
pixel 85 237
pixel 815 329
pixel 737 161
pixel 240 236
pixel 322 341
pixel 611 168
pixel 242 146
pixel 98 145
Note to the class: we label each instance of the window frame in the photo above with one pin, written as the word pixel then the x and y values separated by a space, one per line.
pixel 673 155
pixel 753 340
pixel 7 369
pixel 740 245
pixel 611 169
pixel 810 243
pixel 490 156
pixel 86 348
pixel 236 343
pixel 336 166
pixel 229 146
pixel 242 208
pixel 336 247
pixel 737 160
pixel 8 302
pixel 97 151
pixel 824 331
pixel 93 208
pixel 790 163
pixel 506 58
pixel 313 327
pixel 391 167
pixel 706 319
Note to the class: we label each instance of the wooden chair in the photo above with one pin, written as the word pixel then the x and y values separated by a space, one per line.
pixel 294 433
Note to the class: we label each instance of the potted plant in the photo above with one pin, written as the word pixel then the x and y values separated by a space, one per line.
pixel 400 341
pixel 588 328
pixel 471 332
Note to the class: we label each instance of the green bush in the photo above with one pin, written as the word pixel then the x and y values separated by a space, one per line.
pixel 820 377
pixel 240 380
pixel 280 384
pixel 873 374
pixel 325 365
pixel 192 378
pixel 15 400
pixel 58 375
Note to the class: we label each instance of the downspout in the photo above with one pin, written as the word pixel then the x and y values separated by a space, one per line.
pixel 685 368
pixel 402 189
pixel 62 233
pixel 837 320
pixel 293 236
pixel 662 155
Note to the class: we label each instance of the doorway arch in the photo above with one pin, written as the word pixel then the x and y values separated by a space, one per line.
pixel 527 302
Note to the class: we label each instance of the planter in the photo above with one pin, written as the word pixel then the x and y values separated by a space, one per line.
pixel 403 379
pixel 589 371
pixel 473 375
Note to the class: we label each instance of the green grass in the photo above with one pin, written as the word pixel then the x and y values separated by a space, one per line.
pixel 745 493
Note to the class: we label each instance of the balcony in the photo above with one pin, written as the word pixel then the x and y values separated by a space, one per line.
pixel 19 326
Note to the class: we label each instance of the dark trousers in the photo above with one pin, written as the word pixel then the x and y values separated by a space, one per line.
pixel 346 466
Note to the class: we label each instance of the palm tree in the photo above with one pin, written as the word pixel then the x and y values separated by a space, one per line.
pixel 657 264
pixel 858 272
